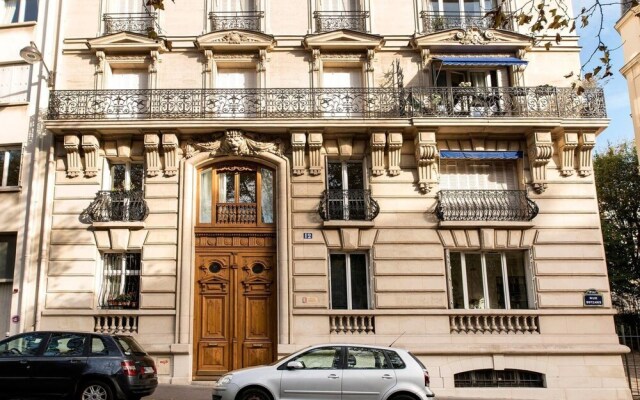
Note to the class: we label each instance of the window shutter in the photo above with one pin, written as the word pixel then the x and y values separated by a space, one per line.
pixel 128 79
pixel 14 83
pixel 341 78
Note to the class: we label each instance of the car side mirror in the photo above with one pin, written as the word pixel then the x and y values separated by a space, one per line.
pixel 295 365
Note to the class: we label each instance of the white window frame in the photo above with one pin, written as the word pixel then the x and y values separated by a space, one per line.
pixel 502 75
pixel 101 291
pixel 107 175
pixel 4 178
pixel 347 257
pixel 427 6
pixel 22 7
pixel 463 170
pixel 485 287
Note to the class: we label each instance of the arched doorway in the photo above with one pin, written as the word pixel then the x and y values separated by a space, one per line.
pixel 235 296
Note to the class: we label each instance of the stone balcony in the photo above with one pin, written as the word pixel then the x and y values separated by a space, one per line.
pixel 435 22
pixel 245 20
pixel 141 23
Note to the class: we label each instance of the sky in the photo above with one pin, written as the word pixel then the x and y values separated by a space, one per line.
pixel 616 91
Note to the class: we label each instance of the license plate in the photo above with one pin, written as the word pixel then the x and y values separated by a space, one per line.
pixel 148 370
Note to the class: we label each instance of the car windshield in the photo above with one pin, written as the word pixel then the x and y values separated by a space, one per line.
pixel 130 346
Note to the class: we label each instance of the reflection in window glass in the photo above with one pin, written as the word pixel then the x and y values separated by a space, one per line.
pixel 366 358
pixel 136 177
pixel 322 358
pixel 495 280
pixel 118 176
pixel 24 345
pixel 334 176
pixel 65 345
pixel 349 282
pixel 456 280
pixel 226 188
pixel 338 282
pixel 247 187
pixel 517 282
pixel 98 347
pixel 474 281
pixel 359 295
pixel 205 197
pixel 267 195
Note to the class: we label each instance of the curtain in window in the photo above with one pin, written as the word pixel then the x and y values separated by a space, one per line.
pixel 236 79
pixel 340 5
pixel 235 5
pixel 128 79
pixel 14 83
pixel 126 6
pixel 8 11
pixel 478 175
pixel 342 78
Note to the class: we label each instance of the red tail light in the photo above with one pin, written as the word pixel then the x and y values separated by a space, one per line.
pixel 129 368
pixel 427 379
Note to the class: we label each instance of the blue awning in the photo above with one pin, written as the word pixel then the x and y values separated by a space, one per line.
pixel 481 61
pixel 482 155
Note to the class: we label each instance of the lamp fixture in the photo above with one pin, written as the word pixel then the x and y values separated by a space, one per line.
pixel 32 55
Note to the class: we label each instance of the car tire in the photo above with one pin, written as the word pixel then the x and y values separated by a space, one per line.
pixel 95 390
pixel 254 394
pixel 403 397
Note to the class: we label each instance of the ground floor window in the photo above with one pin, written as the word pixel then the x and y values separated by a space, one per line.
pixel 505 378
pixel 349 277
pixel 120 281
pixel 489 280
pixel 7 256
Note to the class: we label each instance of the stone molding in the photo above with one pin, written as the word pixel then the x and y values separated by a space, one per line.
pixel 152 154
pixel 567 144
pixel 426 152
pixel 91 147
pixel 586 143
pixel 233 142
pixel 315 141
pixel 170 146
pixel 487 238
pixel 74 162
pixel 394 145
pixel 540 153
pixel 378 142
pixel 298 147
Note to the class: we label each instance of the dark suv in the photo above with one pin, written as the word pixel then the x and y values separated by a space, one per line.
pixel 75 365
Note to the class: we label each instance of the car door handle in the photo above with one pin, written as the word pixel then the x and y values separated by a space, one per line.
pixel 387 376
pixel 24 362
pixel 75 361
pixel 333 376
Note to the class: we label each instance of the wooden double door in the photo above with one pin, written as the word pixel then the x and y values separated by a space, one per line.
pixel 235 311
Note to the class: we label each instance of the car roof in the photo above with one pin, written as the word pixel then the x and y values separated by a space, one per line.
pixel 70 332
pixel 373 346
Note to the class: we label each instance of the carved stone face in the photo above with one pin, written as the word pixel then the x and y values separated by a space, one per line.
pixel 235 142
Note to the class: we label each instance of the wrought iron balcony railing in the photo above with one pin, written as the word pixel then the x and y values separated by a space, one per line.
pixel 348 205
pixel 247 20
pixel 305 103
pixel 436 22
pixel 118 206
pixel 130 22
pixel 485 205
pixel 327 21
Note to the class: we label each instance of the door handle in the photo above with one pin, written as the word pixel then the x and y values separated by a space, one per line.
pixel 24 362
pixel 75 361
pixel 212 345
pixel 387 376
pixel 333 376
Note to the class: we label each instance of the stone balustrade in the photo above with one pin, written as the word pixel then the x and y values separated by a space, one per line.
pixel 352 324
pixel 494 324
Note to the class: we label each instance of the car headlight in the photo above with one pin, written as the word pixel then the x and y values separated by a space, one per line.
pixel 225 380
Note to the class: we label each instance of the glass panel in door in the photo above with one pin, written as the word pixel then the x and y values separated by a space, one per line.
pixel 495 281
pixel 335 192
pixel 205 196
pixel 357 199
pixel 359 285
pixel 517 279
pixel 338 282
pixel 451 7
pixel 475 285
pixel 266 195
pixel 367 375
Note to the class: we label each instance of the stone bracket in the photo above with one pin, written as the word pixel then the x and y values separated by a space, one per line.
pixel 586 143
pixel 74 162
pixel 315 147
pixel 170 147
pixel 394 143
pixel 299 141
pixel 426 157
pixel 378 144
pixel 540 152
pixel 91 147
pixel 567 144
pixel 152 154
pixel 298 146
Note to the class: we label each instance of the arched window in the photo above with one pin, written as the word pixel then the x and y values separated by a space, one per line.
pixel 236 194
pixel 504 378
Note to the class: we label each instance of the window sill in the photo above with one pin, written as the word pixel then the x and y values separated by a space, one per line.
pixel 486 224
pixel 10 189
pixel 119 225
pixel 18 24
pixel 348 224
pixel 18 103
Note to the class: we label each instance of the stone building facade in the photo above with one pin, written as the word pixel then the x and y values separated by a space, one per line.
pixel 258 178
pixel 629 28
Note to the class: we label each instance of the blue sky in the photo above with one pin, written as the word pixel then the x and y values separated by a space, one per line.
pixel 616 92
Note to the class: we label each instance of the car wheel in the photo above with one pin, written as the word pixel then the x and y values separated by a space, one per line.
pixel 403 397
pixel 95 390
pixel 254 394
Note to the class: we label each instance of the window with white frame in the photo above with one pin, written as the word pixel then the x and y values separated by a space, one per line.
pixel 349 278
pixel 479 78
pixel 340 5
pixel 120 285
pixel 487 280
pixel 7 256
pixel 14 83
pixel 10 163
pixel 124 176
pixel 333 77
pixel 128 78
pixel 236 78
pixel 459 7
pixel 127 6
pixel 456 174
pixel 14 11
pixel 235 5
pixel 347 198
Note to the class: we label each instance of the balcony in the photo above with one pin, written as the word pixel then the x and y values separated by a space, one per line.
pixel 130 22
pixel 236 213
pixel 485 205
pixel 118 206
pixel 247 20
pixel 327 21
pixel 311 103
pixel 348 205
pixel 435 22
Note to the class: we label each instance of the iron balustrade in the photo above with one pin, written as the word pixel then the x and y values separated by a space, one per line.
pixel 129 22
pixel 247 20
pixel 323 103
pixel 118 205
pixel 485 205
pixel 436 22
pixel 348 205
pixel 327 21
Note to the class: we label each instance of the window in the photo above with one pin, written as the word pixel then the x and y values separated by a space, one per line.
pixel 120 281
pixel 235 5
pixel 456 7
pixel 243 195
pixel 13 11
pixel 7 256
pixel 98 347
pixel 478 78
pixel 396 360
pixel 320 358
pixel 342 77
pixel 65 345
pixel 505 378
pixel 478 175
pixel 26 344
pixel 340 5
pixel 127 6
pixel 349 278
pixel 366 358
pixel 346 197
pixel 14 83
pixel 125 176
pixel 128 79
pixel 10 163
pixel 489 281
pixel 236 78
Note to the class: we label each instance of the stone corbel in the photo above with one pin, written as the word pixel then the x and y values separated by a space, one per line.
pixel 567 144
pixel 208 68
pixel 298 146
pixel 378 143
pixel 153 68
pixel 394 141
pixel 315 60
pixel 426 59
pixel 74 162
pixel 315 146
pixel 91 147
pixel 170 149
pixel 101 58
pixel 262 61
pixel 586 143
pixel 426 155
pixel 370 56
pixel 152 155
pixel 540 152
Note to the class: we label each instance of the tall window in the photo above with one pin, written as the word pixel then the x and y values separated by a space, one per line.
pixel 13 11
pixel 10 162
pixel 127 6
pixel 489 281
pixel 236 78
pixel 14 83
pixel 128 79
pixel 340 5
pixel 346 195
pixel 480 78
pixel 120 286
pixel 7 256
pixel 235 5
pixel 455 7
pixel 125 176
pixel 240 195
pixel 342 77
pixel 349 278
pixel 478 175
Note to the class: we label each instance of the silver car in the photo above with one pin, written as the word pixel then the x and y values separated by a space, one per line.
pixel 331 372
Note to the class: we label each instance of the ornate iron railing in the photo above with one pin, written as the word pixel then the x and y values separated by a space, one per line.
pixel 118 205
pixel 348 205
pixel 236 213
pixel 327 21
pixel 436 22
pixel 417 102
pixel 247 20
pixel 485 205
pixel 129 22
